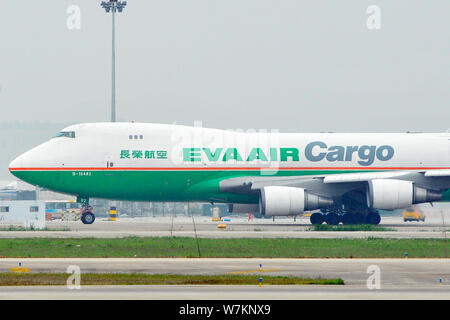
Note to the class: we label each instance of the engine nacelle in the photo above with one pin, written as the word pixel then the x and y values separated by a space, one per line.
pixel 286 201
pixel 389 194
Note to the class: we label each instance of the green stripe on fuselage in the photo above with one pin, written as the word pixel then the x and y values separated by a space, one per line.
pixel 151 185
pixel 157 185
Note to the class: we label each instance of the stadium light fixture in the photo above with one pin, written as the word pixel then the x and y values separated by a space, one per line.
pixel 113 6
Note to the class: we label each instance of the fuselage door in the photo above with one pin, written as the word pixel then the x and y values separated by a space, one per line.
pixel 109 163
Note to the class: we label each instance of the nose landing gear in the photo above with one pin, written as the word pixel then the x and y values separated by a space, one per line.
pixel 87 217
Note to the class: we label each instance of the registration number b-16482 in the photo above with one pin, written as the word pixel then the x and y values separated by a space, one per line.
pixel 81 173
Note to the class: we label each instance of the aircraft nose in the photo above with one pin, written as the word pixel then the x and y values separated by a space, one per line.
pixel 16 165
pixel 27 164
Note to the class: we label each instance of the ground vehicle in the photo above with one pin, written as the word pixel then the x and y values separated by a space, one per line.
pixel 413 214
pixel 59 209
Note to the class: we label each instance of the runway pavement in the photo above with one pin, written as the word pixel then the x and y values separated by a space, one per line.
pixel 400 278
pixel 415 273
pixel 238 227
pixel 221 293
pixel 223 234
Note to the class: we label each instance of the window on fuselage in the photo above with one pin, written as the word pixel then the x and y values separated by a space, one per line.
pixel 67 134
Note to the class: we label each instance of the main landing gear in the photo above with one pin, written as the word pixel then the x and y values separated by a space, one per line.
pixel 334 217
pixel 87 216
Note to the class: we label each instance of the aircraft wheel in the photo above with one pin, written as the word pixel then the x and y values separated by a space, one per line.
pixel 358 218
pixel 348 218
pixel 88 218
pixel 332 219
pixel 373 218
pixel 316 218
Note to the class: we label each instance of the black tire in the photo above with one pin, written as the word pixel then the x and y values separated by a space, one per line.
pixel 88 218
pixel 348 218
pixel 358 218
pixel 332 219
pixel 373 218
pixel 316 218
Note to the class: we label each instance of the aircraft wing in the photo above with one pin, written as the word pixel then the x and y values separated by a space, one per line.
pixel 335 185
pixel 366 176
pixel 437 173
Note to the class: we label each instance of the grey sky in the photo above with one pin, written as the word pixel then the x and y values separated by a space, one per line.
pixel 289 64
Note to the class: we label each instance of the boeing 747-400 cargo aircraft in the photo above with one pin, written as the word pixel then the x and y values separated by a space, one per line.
pixel 348 176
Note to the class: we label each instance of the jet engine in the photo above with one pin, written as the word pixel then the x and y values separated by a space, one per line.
pixel 389 194
pixel 285 201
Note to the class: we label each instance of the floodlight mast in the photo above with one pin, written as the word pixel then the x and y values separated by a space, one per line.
pixel 113 6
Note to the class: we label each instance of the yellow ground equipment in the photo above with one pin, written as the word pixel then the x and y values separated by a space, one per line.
pixel 70 215
pixel 68 210
pixel 413 214
pixel 113 214
pixel 20 269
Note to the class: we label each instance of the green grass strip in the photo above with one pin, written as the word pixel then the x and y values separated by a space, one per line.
pixel 60 279
pixel 155 247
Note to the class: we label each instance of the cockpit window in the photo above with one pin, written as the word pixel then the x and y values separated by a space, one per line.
pixel 68 134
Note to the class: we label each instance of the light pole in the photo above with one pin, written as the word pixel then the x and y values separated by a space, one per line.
pixel 113 6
